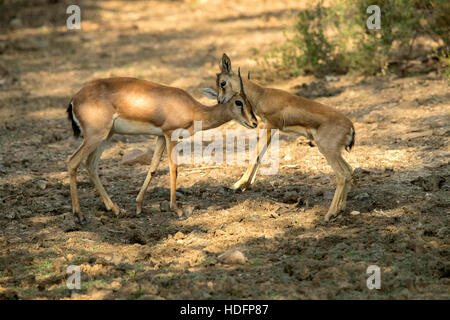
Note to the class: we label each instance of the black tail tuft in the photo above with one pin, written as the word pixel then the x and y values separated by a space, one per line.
pixel 75 127
pixel 352 142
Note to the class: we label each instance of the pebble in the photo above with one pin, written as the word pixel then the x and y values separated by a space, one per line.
pixel 41 184
pixel 232 256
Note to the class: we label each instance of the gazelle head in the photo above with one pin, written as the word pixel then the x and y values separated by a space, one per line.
pixel 238 105
pixel 227 82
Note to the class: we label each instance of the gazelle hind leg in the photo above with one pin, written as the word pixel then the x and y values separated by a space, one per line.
pixel 74 162
pixel 92 168
pixel 343 179
pixel 348 182
pixel 159 149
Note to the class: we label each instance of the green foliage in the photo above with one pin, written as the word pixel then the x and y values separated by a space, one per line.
pixel 336 40
pixel 446 61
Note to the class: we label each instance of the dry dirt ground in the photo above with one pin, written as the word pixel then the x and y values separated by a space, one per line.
pixel 401 184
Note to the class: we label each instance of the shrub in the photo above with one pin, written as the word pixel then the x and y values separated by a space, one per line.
pixel 336 39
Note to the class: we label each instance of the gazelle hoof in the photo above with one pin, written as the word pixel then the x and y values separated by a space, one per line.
pixel 238 187
pixel 331 216
pixel 115 209
pixel 140 215
pixel 83 221
pixel 238 190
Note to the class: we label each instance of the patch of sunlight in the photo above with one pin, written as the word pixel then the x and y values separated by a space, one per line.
pixel 49 113
pixel 17 178
pixel 58 176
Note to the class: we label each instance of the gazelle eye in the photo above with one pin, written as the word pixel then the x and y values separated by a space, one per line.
pixel 223 84
pixel 239 103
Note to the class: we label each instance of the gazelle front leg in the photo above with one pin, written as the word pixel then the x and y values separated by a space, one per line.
pixel 249 176
pixel 157 154
pixel 173 166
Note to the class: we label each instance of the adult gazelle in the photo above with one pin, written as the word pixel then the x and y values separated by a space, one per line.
pixel 132 106
pixel 278 109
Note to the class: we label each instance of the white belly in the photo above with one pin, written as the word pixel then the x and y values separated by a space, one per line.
pixel 123 126
pixel 307 132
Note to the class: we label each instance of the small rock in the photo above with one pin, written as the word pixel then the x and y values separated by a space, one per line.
pixel 16 22
pixel 164 206
pixel 135 156
pixel 331 78
pixel 355 213
pixel 232 256
pixel 41 184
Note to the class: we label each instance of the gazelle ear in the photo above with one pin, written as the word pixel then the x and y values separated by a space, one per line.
pixel 225 65
pixel 210 93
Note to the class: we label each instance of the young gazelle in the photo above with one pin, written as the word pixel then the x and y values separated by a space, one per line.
pixel 278 109
pixel 131 106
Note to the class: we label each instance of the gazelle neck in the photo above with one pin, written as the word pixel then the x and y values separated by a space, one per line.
pixel 212 116
pixel 253 92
